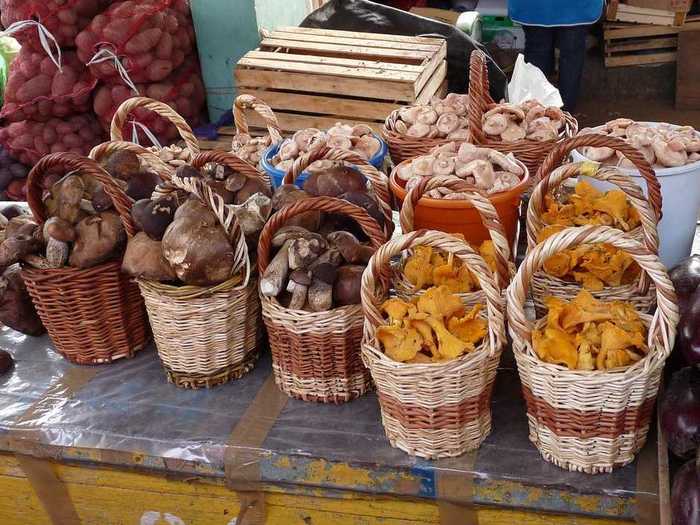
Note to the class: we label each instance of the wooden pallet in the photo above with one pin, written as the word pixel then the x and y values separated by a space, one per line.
pixel 317 77
pixel 644 15
pixel 638 44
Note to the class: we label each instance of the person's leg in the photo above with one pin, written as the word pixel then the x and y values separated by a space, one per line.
pixel 539 47
pixel 571 42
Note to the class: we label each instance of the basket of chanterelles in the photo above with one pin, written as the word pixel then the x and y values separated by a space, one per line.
pixel 71 261
pixel 502 177
pixel 192 264
pixel 433 359
pixel 310 293
pixel 174 155
pixel 606 272
pixel 247 147
pixel 590 368
pixel 414 130
pixel 528 130
pixel 425 267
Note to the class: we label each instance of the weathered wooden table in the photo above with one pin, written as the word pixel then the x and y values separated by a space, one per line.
pixel 117 444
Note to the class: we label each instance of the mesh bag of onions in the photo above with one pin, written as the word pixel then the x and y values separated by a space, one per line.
pixel 29 140
pixel 151 38
pixel 38 90
pixel 63 18
pixel 183 91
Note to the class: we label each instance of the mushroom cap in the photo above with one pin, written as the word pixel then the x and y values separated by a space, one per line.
pixel 59 229
pixel 300 277
pixel 325 272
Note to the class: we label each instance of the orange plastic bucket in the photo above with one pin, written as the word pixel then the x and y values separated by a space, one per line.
pixel 454 216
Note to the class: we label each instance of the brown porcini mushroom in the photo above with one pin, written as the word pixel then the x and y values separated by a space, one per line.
pixel 335 181
pixel 346 290
pixel 274 279
pixel 144 259
pixel 99 238
pixel 349 247
pixel 320 294
pixel 304 251
pixel 154 216
pixel 122 164
pixel 298 285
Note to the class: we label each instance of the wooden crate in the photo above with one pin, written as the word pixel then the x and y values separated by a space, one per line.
pixel 619 12
pixel 316 77
pixel 640 44
pixel 688 70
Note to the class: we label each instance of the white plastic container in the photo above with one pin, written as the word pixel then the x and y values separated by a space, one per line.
pixel 680 194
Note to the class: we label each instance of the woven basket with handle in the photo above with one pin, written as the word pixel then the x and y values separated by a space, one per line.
pixel 640 293
pixel 208 335
pixel 249 102
pixel 489 216
pixel 530 152
pixel 121 116
pixel 316 355
pixel 378 181
pixel 93 315
pixel 591 421
pixel 433 410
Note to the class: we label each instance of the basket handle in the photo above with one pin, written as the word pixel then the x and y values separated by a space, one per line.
pixel 485 208
pixel 68 162
pixel 232 161
pixel 244 102
pixel 163 110
pixel 228 220
pixel 376 278
pixel 663 325
pixel 324 204
pixel 379 182
pixel 105 149
pixel 479 95
pixel 560 153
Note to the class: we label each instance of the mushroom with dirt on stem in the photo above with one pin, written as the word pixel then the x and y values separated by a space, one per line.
pixel 304 251
pixel 320 294
pixel 275 276
pixel 298 284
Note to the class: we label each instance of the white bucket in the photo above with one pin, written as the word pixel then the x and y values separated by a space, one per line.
pixel 680 195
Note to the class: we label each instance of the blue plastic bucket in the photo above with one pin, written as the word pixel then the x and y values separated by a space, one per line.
pixel 278 175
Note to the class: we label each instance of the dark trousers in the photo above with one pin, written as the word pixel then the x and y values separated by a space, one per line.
pixel 540 43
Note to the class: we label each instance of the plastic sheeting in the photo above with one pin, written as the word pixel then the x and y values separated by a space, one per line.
pixel 129 407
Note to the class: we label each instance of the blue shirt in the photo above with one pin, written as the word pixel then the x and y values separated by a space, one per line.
pixel 555 12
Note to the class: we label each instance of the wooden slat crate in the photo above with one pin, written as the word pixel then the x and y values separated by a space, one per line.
pixel 317 77
pixel 643 15
pixel 639 44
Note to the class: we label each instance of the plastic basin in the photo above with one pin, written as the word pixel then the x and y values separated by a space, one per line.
pixel 278 175
pixel 455 216
pixel 680 194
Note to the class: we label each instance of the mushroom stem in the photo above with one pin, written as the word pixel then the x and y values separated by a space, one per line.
pixel 275 274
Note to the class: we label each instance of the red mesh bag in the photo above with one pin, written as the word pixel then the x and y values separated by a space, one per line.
pixel 150 38
pixel 37 90
pixel 183 91
pixel 63 18
pixel 28 141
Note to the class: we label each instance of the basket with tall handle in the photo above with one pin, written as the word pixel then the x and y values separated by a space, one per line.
pixel 433 410
pixel 208 335
pixel 316 355
pixel 93 315
pixel 242 137
pixel 530 152
pixel 639 292
pixel 489 217
pixel 591 421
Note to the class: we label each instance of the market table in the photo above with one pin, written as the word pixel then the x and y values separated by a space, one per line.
pixel 118 444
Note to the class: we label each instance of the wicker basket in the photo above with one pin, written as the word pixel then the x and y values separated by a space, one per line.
pixel 401 146
pixel 92 315
pixel 316 355
pixel 489 216
pixel 208 335
pixel 439 409
pixel 591 421
pixel 163 110
pixel 249 102
pixel 640 293
pixel 378 181
pixel 530 152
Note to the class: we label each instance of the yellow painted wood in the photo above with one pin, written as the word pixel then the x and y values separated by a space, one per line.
pixel 108 496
